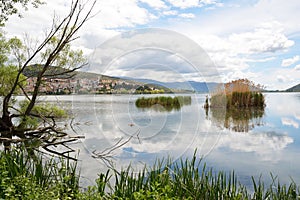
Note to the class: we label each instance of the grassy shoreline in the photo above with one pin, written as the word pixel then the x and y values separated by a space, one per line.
pixel 25 178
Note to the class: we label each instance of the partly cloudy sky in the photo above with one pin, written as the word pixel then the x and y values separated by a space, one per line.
pixel 254 39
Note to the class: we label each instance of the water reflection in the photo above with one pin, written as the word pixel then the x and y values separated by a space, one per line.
pixel 236 119
pixel 270 141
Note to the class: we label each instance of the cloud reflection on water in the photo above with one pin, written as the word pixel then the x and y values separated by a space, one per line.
pixel 271 147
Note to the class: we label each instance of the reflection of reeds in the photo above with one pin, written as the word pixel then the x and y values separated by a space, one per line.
pixel 168 103
pixel 238 119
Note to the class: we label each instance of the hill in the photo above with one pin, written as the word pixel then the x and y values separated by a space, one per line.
pixel 201 87
pixel 58 73
pixel 295 88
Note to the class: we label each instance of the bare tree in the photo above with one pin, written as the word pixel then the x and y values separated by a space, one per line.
pixel 14 121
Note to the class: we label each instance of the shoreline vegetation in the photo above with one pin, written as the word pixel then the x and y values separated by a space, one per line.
pixel 23 177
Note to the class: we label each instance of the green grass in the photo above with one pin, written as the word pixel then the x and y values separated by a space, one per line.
pixel 23 178
pixel 34 177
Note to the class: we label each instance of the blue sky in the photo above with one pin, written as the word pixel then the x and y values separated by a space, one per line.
pixel 257 39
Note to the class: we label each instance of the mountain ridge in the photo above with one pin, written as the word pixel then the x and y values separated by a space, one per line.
pixel 295 88
pixel 188 85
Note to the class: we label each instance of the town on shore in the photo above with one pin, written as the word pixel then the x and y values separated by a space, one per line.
pixel 97 84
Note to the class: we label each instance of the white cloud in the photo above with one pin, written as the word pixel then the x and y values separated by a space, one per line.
pixel 281 78
pixel 187 15
pixel 257 33
pixel 297 67
pixel 125 13
pixel 170 12
pixel 234 53
pixel 278 78
pixel 290 61
pixel 156 4
pixel 110 14
pixel 183 4
pixel 260 143
pixel 289 122
pixel 260 60
pixel 265 38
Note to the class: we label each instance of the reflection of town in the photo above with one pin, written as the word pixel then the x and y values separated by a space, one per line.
pixel 76 85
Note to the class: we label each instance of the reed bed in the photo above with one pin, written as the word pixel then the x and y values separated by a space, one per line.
pixel 164 101
pixel 25 176
pixel 188 179
pixel 22 178
pixel 240 93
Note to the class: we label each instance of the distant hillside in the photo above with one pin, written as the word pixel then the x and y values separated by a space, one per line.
pixel 189 85
pixel 57 72
pixel 296 88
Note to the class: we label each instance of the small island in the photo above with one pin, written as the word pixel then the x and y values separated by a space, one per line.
pixel 237 105
pixel 241 93
pixel 169 103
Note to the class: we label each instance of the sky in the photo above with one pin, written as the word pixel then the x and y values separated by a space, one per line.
pixel 254 39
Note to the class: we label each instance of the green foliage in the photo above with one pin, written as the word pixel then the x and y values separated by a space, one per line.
pixel 168 103
pixel 67 57
pixel 10 7
pixel 44 109
pixel 188 179
pixel 9 72
pixel 17 49
pixel 152 89
pixel 25 177
pixel 40 111
pixel 8 76
pixel 4 49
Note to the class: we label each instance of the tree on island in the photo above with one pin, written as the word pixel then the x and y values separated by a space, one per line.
pixel 29 121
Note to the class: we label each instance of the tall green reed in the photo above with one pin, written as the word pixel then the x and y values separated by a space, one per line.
pixel 188 179
pixel 26 176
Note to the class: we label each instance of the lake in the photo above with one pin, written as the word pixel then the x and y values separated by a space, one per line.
pixel 257 145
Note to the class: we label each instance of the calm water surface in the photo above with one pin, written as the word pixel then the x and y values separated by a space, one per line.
pixel 252 146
